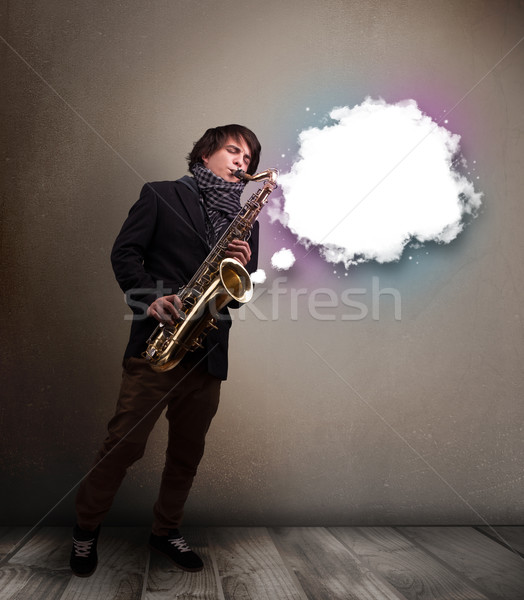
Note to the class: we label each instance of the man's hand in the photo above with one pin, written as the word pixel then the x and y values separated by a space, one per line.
pixel 239 250
pixel 165 309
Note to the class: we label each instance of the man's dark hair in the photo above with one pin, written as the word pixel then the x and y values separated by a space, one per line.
pixel 215 138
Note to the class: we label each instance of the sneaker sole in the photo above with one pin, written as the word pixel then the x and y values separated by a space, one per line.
pixel 84 574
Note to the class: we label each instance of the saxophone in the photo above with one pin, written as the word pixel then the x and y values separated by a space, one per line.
pixel 217 281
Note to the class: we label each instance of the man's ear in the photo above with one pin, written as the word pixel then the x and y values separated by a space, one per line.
pixel 205 160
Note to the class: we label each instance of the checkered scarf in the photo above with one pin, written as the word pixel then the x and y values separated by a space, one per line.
pixel 221 197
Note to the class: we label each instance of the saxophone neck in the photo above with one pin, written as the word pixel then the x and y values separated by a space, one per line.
pixel 269 175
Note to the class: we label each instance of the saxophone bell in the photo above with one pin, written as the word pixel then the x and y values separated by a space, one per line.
pixel 168 344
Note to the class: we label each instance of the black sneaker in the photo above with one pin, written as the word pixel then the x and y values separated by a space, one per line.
pixel 175 547
pixel 84 558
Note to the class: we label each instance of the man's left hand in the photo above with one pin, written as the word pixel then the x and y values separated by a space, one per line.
pixel 240 250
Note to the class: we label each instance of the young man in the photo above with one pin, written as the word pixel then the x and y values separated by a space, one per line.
pixel 167 235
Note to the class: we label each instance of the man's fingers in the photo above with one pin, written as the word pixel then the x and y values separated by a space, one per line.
pixel 240 250
pixel 172 304
pixel 166 309
pixel 175 300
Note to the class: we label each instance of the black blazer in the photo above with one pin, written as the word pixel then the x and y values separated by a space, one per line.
pixel 161 245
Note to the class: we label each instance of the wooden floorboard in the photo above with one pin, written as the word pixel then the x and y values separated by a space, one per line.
pixel 250 567
pixel 413 572
pixel 326 569
pixel 245 563
pixel 10 537
pixel 39 570
pixel 497 571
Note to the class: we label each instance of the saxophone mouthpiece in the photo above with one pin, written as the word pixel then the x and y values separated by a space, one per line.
pixel 240 174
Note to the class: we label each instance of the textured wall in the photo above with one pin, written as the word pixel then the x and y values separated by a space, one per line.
pixel 380 420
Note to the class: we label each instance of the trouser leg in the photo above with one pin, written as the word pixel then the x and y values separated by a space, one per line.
pixel 189 413
pixel 143 397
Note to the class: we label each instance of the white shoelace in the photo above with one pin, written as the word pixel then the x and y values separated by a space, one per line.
pixel 82 548
pixel 180 544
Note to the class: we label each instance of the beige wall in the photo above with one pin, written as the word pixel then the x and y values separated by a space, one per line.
pixel 373 421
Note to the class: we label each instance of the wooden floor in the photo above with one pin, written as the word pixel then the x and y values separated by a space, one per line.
pixel 447 563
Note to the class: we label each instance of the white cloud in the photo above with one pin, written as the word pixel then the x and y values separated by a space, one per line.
pixel 380 177
pixel 259 276
pixel 283 259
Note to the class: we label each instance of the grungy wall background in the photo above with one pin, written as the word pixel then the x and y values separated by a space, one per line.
pixel 405 409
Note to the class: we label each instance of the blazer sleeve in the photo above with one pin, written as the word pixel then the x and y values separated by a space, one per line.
pixel 130 247
pixel 252 265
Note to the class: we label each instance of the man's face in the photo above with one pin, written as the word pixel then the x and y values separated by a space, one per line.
pixel 232 156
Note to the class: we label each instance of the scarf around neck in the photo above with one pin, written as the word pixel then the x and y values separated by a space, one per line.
pixel 221 197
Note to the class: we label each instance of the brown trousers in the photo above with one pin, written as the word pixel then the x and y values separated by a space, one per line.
pixel 191 396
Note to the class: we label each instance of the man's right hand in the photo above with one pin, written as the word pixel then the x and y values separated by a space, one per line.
pixel 165 309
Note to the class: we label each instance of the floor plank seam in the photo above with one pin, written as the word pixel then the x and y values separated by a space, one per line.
pixel 376 573
pixel 286 564
pixel 146 576
pixel 212 551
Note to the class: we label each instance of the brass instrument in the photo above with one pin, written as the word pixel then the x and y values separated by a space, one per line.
pixel 217 281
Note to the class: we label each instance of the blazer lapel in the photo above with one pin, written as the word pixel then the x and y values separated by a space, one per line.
pixel 191 203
